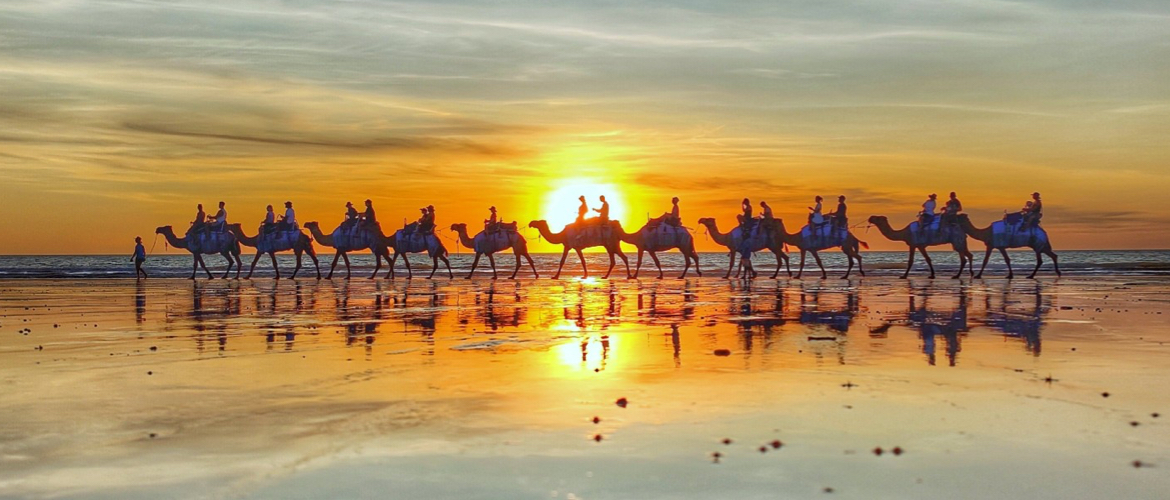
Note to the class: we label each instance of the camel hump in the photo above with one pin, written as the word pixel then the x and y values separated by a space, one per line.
pixel 1014 233
pixel 278 241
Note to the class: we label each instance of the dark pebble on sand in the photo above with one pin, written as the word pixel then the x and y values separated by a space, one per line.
pixel 597 437
pixel 716 456
pixel 1104 394
pixel 1155 415
pixel 878 451
pixel 722 352
pixel 828 489
pixel 776 444
pixel 726 441
pixel 763 449
pixel 154 348
pixel 1137 464
pixel 150 373
pixel 622 402
pixel 897 450
pixel 597 420
pixel 1135 423
pixel 153 435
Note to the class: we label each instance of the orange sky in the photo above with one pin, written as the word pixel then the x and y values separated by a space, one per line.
pixel 118 118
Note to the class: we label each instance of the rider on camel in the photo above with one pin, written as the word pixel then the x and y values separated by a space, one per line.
pixel 1032 213
pixel 269 224
pixel 369 219
pixel 815 218
pixel 491 223
pixel 289 221
pixel 582 210
pixel 671 218
pixel 200 222
pixel 951 210
pixel 220 218
pixel 603 212
pixel 352 217
pixel 841 214
pixel 427 223
pixel 745 217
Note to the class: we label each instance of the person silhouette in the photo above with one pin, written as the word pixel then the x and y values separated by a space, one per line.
pixel 603 212
pixel 289 222
pixel 220 218
pixel 139 257
pixel 269 224
pixel 582 210
pixel 200 221
pixel 840 215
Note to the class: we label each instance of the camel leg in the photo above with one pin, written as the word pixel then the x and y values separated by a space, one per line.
pixel 686 262
pixel 929 263
pixel 194 265
pixel 962 264
pixel 817 257
pixel 1054 263
pixel 409 271
pixel 313 255
pixel 638 268
pixel 434 266
pixel 860 268
pixel 517 270
pixel 377 263
pixel 778 258
pixel 730 264
pixel 654 257
pixel 698 269
pixel 909 263
pixel 492 260
pixel 800 271
pixel 970 263
pixel 1007 260
pixel 474 263
pixel 1039 260
pixel 203 264
pixel 253 268
pixel 533 264
pixel 239 265
pixel 299 253
pixel 333 265
pixel 227 272
pixel 564 255
pixel 626 260
pixel 612 261
pixel 446 262
pixel 581 257
pixel 345 257
pixel 787 263
pixel 986 257
pixel 276 268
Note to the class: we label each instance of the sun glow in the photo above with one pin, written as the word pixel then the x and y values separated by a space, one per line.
pixel 560 204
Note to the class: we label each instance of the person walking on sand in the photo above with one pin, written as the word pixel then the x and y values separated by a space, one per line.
pixel 139 257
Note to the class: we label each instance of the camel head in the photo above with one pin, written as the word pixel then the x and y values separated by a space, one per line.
pixel 312 224
pixel 878 219
pixel 707 221
pixel 163 230
pixel 460 227
pixel 538 224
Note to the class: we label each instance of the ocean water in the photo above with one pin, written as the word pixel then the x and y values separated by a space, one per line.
pixel 178 265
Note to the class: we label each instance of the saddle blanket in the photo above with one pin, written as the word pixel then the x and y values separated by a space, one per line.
pixel 1012 233
pixel 277 241
pixel 935 231
pixel 823 236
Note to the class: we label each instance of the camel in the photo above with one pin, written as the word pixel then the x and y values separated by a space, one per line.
pixel 660 238
pixel 1037 241
pixel 734 242
pixel 908 235
pixel 489 244
pixel 227 246
pixel 373 240
pixel 574 237
pixel 405 244
pixel 302 245
pixel 850 247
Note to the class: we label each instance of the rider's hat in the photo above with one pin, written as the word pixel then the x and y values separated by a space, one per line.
pixel 492 209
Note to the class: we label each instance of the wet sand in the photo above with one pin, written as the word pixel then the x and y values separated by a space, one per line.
pixel 1054 388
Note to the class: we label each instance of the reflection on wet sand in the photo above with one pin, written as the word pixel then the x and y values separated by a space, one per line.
pixel 312 371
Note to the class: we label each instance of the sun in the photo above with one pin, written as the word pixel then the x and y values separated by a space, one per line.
pixel 560 204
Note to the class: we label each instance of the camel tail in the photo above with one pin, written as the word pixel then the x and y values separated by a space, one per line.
pixel 863 244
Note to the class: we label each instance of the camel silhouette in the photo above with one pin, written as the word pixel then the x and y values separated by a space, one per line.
pixel 205 244
pixel 660 238
pixel 302 245
pixel 489 244
pixel 576 237
pixel 957 238
pixel 370 239
pixel 1038 243
pixel 734 242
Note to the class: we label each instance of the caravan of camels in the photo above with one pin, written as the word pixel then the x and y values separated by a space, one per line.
pixel 361 231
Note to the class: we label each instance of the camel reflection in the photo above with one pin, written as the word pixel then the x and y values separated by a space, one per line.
pixel 659 303
pixel 498 306
pixel 949 325
pixel 828 309
pixel 1019 314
